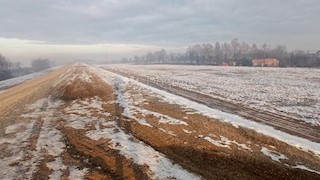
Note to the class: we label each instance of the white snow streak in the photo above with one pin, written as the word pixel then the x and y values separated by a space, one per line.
pixel 225 142
pixel 275 156
pixel 305 168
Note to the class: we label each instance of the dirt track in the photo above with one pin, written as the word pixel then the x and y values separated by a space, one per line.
pixel 79 113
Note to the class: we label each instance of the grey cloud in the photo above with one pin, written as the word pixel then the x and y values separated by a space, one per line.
pixel 161 22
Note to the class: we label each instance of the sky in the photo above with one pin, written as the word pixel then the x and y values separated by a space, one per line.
pixel 67 30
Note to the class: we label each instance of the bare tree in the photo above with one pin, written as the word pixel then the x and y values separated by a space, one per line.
pixel 227 52
pixel 150 57
pixel 136 59
pixel 264 50
pixel 254 50
pixel 191 54
pixel 5 67
pixel 207 54
pixel 280 52
pixel 218 53
pixel 163 56
pixel 244 49
pixel 235 46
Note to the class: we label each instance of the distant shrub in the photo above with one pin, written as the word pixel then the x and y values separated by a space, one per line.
pixel 5 66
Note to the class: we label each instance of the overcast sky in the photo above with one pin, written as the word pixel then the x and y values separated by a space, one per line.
pixel 71 29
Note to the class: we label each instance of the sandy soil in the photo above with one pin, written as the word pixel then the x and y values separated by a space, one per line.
pixel 14 100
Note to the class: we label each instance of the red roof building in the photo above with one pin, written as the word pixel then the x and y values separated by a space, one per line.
pixel 265 62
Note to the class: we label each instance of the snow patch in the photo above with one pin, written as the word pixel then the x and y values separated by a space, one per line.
pixel 219 143
pixel 57 166
pixel 275 156
pixel 305 168
pixel 225 142
pixel 81 112
pixel 163 118
pixel 76 173
pixel 50 139
pixel 18 127
pixel 144 122
pixel 169 120
pixel 168 132
pixel 186 131
pixel 13 152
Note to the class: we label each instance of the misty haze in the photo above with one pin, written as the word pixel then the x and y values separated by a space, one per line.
pixel 133 89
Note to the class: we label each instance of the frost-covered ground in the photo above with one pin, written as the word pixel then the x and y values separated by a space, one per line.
pixel 17 80
pixel 40 138
pixel 291 91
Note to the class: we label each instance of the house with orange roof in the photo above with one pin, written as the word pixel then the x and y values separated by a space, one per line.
pixel 268 62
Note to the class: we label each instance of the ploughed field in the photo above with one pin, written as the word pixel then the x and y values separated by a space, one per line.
pixel 111 122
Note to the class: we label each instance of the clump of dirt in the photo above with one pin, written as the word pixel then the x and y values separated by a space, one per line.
pixel 73 88
pixel 80 89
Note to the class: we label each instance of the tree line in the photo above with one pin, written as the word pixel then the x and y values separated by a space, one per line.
pixel 230 53
pixel 9 69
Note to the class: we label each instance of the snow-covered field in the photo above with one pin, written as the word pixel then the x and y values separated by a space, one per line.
pixel 291 91
pixel 17 80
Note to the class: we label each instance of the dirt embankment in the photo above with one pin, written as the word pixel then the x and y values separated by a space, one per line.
pixel 102 161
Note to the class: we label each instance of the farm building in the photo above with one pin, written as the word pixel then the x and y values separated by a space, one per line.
pixel 265 62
